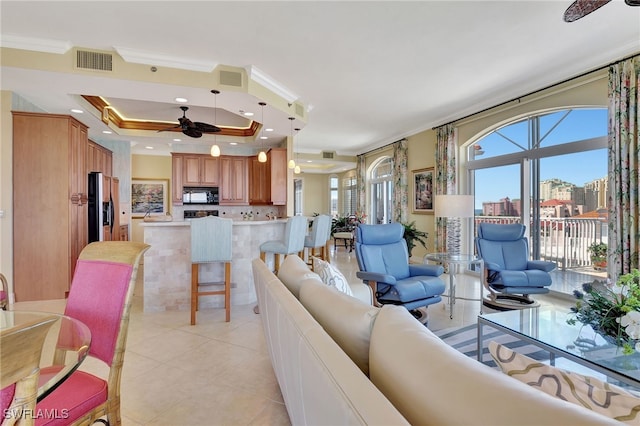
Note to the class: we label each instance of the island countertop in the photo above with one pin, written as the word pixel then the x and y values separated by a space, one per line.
pixel 167 264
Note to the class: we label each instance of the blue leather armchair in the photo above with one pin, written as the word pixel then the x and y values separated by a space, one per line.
pixel 383 260
pixel 511 276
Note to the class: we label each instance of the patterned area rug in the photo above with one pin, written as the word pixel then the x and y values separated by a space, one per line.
pixel 465 340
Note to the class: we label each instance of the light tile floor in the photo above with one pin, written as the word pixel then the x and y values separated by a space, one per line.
pixel 217 373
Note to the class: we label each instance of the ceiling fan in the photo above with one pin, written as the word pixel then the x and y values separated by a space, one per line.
pixel 195 129
pixel 581 8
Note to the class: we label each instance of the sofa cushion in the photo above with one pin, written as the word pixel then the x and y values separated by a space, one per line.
pixel 346 319
pixel 331 276
pixel 430 382
pixel 585 391
pixel 294 272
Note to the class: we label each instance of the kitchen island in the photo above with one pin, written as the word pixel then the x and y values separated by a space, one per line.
pixel 167 264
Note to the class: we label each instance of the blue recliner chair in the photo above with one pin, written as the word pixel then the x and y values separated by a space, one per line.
pixel 383 260
pixel 510 276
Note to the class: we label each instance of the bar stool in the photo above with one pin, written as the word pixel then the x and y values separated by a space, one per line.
pixel 211 241
pixel 292 242
pixel 317 238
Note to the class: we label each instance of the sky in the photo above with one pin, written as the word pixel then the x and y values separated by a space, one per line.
pixel 556 128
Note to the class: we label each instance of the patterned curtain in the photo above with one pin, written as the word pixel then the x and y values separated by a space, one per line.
pixel 361 183
pixel 400 185
pixel 624 166
pixel 445 182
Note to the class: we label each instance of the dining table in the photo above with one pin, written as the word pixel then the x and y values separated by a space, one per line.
pixel 65 347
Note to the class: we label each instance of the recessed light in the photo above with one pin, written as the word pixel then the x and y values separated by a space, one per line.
pixel 309 161
pixel 233 143
pixel 107 132
pixel 264 137
pixel 268 130
pixel 177 140
pixel 148 147
pixel 182 100
pixel 77 111
pixel 247 114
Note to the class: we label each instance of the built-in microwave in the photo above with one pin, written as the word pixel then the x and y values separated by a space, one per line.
pixel 191 195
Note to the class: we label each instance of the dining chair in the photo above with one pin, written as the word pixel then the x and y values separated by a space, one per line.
pixel 100 297
pixel 20 351
pixel 211 242
pixel 317 238
pixel 292 241
pixel 4 292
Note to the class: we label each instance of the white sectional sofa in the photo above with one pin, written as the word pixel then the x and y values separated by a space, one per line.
pixel 339 360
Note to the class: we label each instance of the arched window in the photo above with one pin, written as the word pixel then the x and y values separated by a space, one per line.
pixel 381 184
pixel 548 171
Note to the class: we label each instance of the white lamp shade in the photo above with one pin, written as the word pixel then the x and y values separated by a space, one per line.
pixel 215 151
pixel 454 206
pixel 292 164
pixel 262 157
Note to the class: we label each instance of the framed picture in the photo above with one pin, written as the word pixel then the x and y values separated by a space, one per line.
pixel 423 191
pixel 149 197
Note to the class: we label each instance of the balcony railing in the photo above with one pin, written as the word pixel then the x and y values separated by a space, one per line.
pixel 562 240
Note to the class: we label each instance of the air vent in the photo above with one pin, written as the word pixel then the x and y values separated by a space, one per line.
pixel 299 110
pixel 327 155
pixel 98 61
pixel 230 78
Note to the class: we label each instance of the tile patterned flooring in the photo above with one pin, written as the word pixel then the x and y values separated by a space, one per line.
pixel 217 373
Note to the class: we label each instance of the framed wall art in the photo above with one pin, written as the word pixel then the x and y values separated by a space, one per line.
pixel 149 197
pixel 423 190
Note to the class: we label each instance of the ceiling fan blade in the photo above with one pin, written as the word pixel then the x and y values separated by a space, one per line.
pixel 632 2
pixel 193 132
pixel 206 128
pixel 581 8
pixel 177 126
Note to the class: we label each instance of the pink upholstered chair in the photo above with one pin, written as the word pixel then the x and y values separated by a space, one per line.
pixel 4 292
pixel 100 296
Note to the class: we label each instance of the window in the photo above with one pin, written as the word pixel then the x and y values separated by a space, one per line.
pixel 349 204
pixel 297 197
pixel 333 195
pixel 381 184
pixel 548 171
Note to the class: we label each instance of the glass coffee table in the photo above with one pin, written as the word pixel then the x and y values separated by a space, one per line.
pixel 547 328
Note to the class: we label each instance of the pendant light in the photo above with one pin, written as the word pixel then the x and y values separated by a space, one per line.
pixel 215 149
pixel 262 157
pixel 292 163
pixel 296 170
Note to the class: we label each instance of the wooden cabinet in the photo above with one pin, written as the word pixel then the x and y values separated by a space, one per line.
pixel 200 170
pixel 177 172
pixel 233 181
pixel 99 159
pixel 268 181
pixel 277 160
pixel 124 232
pixel 259 188
pixel 50 203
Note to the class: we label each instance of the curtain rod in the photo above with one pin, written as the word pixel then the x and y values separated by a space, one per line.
pixel 538 91
pixel 380 148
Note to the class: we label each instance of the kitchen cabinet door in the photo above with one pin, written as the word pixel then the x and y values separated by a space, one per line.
pixel 233 181
pixel 177 171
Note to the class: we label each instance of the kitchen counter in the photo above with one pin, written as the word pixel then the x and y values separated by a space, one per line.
pixel 167 264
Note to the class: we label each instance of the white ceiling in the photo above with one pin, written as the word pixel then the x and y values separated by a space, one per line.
pixel 369 73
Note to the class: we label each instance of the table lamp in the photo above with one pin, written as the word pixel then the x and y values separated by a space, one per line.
pixel 453 207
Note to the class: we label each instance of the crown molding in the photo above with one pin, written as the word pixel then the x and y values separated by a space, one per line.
pixel 148 58
pixel 266 81
pixel 35 44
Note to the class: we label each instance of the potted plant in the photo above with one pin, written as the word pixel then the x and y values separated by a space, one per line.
pixel 412 235
pixel 598 255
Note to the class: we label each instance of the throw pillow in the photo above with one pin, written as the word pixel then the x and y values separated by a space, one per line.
pixel 588 392
pixel 331 276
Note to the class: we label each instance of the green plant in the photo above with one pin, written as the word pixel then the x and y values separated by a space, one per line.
pixel 413 235
pixel 613 311
pixel 598 251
